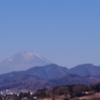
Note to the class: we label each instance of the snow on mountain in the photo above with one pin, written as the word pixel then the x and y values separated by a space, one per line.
pixel 22 61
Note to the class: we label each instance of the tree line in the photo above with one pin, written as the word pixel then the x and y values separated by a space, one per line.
pixel 69 91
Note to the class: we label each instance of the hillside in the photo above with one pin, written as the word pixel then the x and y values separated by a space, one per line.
pixel 43 77
pixel 85 70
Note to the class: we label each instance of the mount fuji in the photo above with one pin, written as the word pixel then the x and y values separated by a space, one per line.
pixel 22 61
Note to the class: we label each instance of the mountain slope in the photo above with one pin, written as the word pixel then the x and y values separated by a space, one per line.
pixel 85 69
pixel 22 61
pixel 33 78
pixel 43 77
pixel 22 82
pixel 48 72
pixel 75 79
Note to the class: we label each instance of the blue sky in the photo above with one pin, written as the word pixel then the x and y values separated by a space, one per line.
pixel 66 32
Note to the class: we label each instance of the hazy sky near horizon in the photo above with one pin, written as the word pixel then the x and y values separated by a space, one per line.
pixel 66 32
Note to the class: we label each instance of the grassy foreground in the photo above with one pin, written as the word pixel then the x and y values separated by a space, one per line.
pixel 95 96
pixel 56 98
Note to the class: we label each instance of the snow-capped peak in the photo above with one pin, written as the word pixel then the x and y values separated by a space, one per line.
pixel 23 61
pixel 30 54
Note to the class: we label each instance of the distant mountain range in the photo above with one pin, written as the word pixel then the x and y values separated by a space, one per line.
pixel 44 77
pixel 43 74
